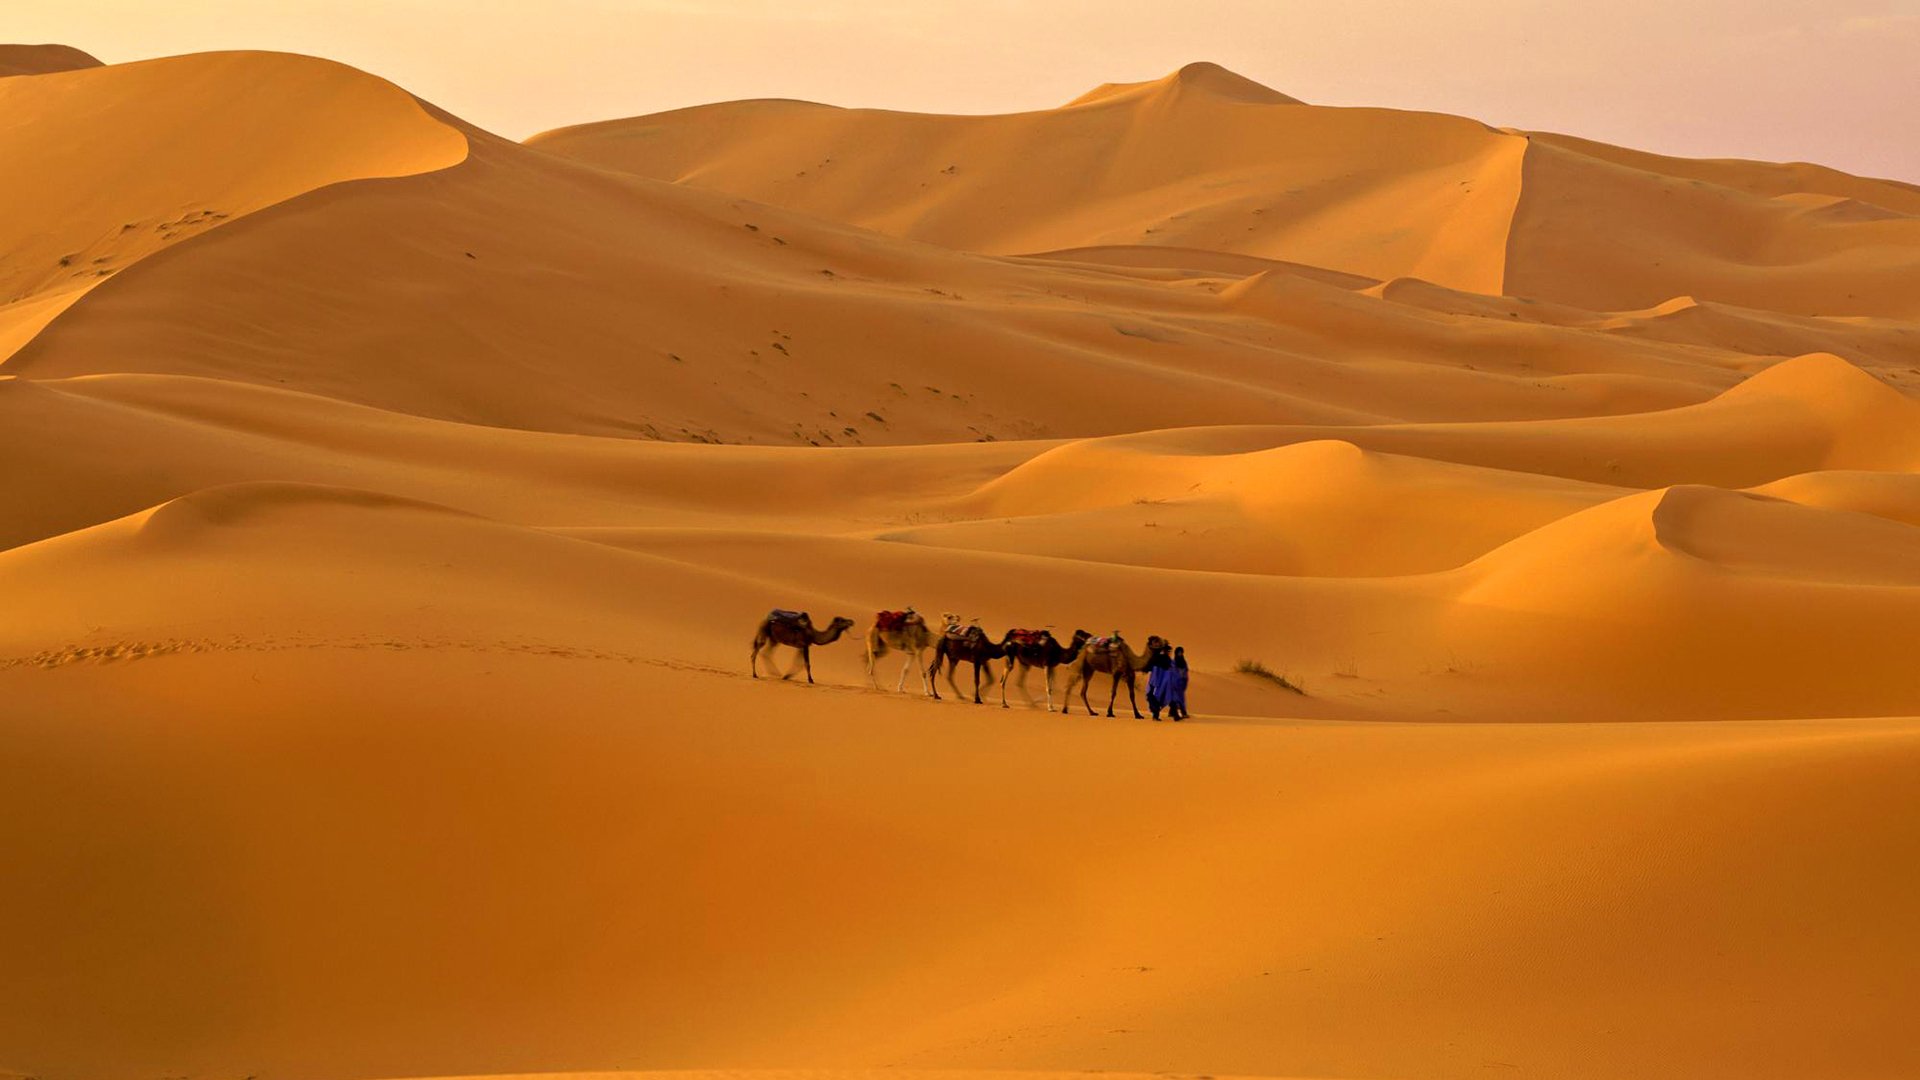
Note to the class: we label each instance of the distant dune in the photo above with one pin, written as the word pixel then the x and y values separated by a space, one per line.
pixel 1207 159
pixel 42 59
pixel 389 506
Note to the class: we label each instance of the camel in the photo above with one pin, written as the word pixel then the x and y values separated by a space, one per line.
pixel 1111 656
pixel 902 631
pixel 1029 649
pixel 795 630
pixel 957 646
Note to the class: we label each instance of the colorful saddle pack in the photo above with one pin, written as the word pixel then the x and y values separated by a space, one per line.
pixel 889 621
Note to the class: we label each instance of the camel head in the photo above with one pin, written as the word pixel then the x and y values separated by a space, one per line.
pixel 840 624
pixel 1080 637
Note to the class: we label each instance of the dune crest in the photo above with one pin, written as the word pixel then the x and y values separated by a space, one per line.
pixel 1179 161
pixel 42 59
pixel 1362 191
pixel 1744 531
pixel 157 174
pixel 1200 77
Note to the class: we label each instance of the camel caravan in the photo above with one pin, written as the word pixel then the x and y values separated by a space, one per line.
pixel 960 642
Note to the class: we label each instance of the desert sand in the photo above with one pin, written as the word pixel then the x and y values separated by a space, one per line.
pixel 390 505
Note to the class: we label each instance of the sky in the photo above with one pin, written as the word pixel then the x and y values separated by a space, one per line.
pixel 1835 82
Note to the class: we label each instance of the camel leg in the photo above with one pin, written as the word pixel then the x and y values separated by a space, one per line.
pixel 1113 692
pixel 933 669
pixel 1049 687
pixel 1086 680
pixel 806 659
pixel 1026 672
pixel 1131 699
pixel 753 659
pixel 953 666
pixel 875 649
pixel 912 662
pixel 925 683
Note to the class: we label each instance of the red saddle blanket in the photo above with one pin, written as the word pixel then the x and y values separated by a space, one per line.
pixel 1028 638
pixel 891 620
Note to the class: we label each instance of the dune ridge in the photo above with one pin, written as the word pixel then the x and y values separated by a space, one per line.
pixel 100 206
pixel 389 506
pixel 42 59
pixel 1257 173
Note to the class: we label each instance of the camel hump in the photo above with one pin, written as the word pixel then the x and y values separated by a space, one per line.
pixel 789 616
pixel 895 620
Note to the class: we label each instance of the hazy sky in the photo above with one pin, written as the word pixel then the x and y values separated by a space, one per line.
pixel 1836 82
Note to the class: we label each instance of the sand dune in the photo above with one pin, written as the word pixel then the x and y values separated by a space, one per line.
pixel 389 506
pixel 1418 839
pixel 1200 159
pixel 1323 508
pixel 1213 161
pixel 1894 496
pixel 1644 237
pixel 42 59
pixel 93 207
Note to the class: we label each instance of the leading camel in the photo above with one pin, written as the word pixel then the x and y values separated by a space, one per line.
pixel 1029 649
pixel 957 646
pixel 795 630
pixel 902 631
pixel 1111 656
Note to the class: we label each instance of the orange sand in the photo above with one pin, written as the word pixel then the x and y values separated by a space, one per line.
pixel 391 505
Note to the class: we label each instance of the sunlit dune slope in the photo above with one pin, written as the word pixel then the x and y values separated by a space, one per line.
pixel 1197 159
pixel 604 304
pixel 1322 508
pixel 1684 603
pixel 174 148
pixel 1813 415
pixel 1205 159
pixel 589 814
pixel 1891 495
pixel 1603 233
